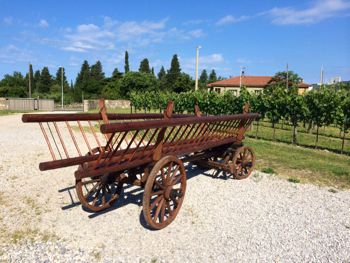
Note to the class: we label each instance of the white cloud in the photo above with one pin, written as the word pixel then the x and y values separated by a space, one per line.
pixel 212 59
pixel 243 61
pixel 113 33
pixel 195 22
pixel 229 19
pixel 11 54
pixel 208 62
pixel 89 37
pixel 43 23
pixel 318 11
pixel 8 20
pixel 197 33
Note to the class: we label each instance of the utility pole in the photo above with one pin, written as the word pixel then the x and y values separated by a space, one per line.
pixel 321 80
pixel 62 84
pixel 197 56
pixel 30 81
pixel 287 84
pixel 240 77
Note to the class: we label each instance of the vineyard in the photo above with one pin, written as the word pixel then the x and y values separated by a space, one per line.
pixel 319 119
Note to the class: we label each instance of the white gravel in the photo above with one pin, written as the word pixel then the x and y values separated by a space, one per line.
pixel 260 219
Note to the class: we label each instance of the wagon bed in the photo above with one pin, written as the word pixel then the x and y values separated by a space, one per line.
pixel 147 150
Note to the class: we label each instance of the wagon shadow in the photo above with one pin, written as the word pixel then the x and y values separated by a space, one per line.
pixel 133 194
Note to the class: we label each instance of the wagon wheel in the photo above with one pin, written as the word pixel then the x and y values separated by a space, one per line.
pixel 241 162
pixel 164 192
pixel 99 192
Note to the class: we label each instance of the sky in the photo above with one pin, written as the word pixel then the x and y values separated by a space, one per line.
pixel 262 36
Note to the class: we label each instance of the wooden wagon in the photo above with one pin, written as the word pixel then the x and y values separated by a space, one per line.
pixel 147 150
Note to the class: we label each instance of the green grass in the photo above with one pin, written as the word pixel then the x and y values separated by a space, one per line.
pixel 308 165
pixel 294 180
pixel 304 139
pixel 8 112
pixel 268 170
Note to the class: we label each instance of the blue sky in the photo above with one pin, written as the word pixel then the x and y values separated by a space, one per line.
pixel 259 35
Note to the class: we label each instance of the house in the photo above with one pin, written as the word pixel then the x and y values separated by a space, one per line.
pixel 254 84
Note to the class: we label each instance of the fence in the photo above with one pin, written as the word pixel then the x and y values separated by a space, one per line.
pixel 26 104
pixel 110 104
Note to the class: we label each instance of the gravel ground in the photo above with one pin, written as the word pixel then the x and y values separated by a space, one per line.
pixel 260 219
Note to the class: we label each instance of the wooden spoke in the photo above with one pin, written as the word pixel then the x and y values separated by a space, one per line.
pixel 156 214
pixel 160 192
pixel 156 201
pixel 243 160
pixel 97 193
pixel 162 210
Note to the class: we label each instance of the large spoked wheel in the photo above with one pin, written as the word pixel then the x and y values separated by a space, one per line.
pixel 98 193
pixel 241 162
pixel 164 192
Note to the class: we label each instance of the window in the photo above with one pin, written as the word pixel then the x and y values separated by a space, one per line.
pixel 257 92
pixel 218 90
pixel 233 91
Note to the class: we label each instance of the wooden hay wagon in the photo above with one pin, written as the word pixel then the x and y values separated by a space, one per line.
pixel 147 150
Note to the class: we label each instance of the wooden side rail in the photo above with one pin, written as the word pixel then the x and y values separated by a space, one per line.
pixel 130 126
pixel 62 117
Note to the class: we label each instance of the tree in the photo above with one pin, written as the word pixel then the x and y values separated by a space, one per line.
pixel 116 74
pixel 45 81
pixel 111 90
pixel 58 80
pixel 162 79
pixel 13 85
pixel 30 80
pixel 183 83
pixel 161 73
pixel 203 79
pixel 96 81
pixel 280 79
pixel 173 73
pixel 126 62
pixel 212 76
pixel 296 111
pixel 322 106
pixel 152 71
pixel 345 107
pixel 137 81
pixel 82 81
pixel 144 66
pixel 275 105
pixel 36 80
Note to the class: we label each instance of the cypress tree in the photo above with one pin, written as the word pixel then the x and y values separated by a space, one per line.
pixel 212 76
pixel 58 79
pixel 126 62
pixel 116 74
pixel 31 81
pixel 173 73
pixel 82 81
pixel 96 81
pixel 203 79
pixel 36 80
pixel 45 81
pixel 161 73
pixel 144 66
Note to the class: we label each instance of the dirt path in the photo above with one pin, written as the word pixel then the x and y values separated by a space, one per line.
pixel 260 219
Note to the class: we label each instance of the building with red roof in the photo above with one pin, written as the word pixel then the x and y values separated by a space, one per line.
pixel 254 84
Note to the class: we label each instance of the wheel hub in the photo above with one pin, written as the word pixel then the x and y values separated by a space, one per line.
pixel 167 192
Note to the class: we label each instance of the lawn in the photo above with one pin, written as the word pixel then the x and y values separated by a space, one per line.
pixel 301 164
pixel 327 140
pixel 8 112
